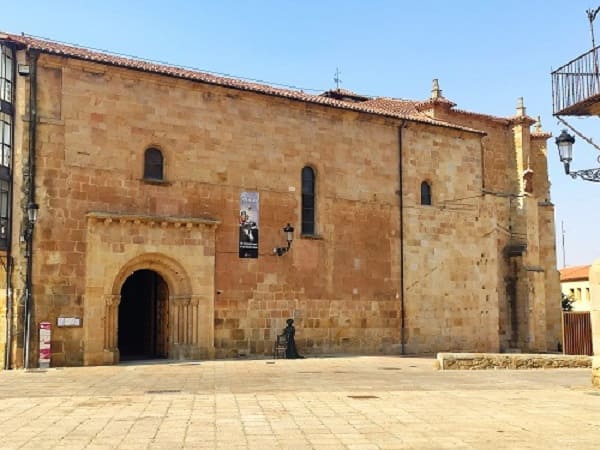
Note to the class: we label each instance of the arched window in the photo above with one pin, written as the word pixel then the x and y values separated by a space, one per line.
pixel 153 164
pixel 308 200
pixel 425 193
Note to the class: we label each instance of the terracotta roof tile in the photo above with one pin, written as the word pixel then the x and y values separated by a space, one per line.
pixel 418 109
pixel 503 120
pixel 395 105
pixel 73 51
pixel 575 273
pixel 340 94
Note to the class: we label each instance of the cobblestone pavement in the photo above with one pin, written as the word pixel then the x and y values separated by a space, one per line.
pixel 313 403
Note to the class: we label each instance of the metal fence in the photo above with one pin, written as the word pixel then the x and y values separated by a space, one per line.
pixel 577 333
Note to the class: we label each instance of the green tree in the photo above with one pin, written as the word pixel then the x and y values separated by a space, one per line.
pixel 566 302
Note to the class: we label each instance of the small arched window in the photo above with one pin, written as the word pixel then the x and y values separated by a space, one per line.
pixel 425 193
pixel 308 201
pixel 153 164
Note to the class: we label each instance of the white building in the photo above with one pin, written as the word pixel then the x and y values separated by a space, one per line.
pixel 575 284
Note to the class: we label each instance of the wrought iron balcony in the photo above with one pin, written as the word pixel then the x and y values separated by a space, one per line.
pixel 576 86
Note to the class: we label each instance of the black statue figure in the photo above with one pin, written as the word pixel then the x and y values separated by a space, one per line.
pixel 291 352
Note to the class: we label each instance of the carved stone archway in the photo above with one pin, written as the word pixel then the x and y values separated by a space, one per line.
pixel 180 250
pixel 183 305
pixel 172 272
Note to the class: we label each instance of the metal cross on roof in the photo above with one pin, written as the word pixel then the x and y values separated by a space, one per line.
pixel 336 78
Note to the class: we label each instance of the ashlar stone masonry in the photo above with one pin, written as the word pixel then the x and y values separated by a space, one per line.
pixel 433 227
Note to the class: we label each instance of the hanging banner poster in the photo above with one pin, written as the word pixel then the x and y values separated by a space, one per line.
pixel 249 206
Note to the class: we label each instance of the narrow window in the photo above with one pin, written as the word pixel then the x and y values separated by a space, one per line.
pixel 308 201
pixel 153 164
pixel 5 139
pixel 6 130
pixel 4 198
pixel 6 74
pixel 425 193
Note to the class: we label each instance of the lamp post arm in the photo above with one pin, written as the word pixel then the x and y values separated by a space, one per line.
pixel 587 174
pixel 586 139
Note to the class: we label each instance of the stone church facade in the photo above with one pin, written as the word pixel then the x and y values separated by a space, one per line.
pixel 418 227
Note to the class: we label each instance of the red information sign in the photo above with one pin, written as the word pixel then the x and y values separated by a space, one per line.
pixel 45 352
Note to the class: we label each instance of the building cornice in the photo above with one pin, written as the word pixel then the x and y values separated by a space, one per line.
pixel 163 221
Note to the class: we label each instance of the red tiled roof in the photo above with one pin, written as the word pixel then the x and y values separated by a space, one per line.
pixel 575 273
pixel 504 120
pixel 395 105
pixel 340 93
pixel 409 108
pixel 72 51
pixel 418 109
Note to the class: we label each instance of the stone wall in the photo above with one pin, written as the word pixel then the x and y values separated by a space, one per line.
pixel 529 317
pixel 344 285
pixel 450 283
pixel 482 361
pixel 341 285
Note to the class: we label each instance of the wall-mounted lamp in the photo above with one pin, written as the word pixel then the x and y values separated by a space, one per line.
pixel 565 142
pixel 32 212
pixel 289 236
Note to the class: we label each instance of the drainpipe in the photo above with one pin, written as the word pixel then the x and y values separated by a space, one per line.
pixel 400 203
pixel 9 300
pixel 33 56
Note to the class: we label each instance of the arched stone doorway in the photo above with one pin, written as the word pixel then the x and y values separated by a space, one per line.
pixel 189 312
pixel 143 316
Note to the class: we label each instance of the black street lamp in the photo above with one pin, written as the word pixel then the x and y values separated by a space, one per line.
pixel 565 142
pixel 289 236
pixel 32 212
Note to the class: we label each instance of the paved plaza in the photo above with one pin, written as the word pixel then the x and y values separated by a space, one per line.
pixel 313 403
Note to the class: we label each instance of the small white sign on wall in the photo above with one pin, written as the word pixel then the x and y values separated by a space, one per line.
pixel 69 321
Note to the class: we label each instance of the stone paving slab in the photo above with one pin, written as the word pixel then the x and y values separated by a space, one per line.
pixel 314 403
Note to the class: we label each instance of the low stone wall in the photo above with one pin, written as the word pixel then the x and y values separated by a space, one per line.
pixel 482 361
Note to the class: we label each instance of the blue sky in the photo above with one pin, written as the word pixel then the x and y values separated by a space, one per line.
pixel 486 54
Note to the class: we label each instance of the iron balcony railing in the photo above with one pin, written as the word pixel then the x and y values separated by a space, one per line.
pixel 576 82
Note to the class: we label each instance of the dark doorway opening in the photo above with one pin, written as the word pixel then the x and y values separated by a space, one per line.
pixel 143 317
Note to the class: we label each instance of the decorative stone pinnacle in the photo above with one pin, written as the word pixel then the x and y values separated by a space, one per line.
pixel 520 107
pixel 436 92
pixel 538 125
